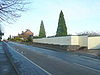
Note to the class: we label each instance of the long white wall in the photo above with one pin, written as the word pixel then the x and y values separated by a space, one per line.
pixel 90 42
pixel 94 42
pixel 83 40
pixel 55 40
pixel 74 40
pixel 68 40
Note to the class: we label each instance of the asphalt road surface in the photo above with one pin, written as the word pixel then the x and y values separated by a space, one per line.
pixel 59 63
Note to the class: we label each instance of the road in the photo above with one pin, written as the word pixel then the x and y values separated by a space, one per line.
pixel 59 63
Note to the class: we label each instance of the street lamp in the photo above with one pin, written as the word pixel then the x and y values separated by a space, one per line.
pixel 1 35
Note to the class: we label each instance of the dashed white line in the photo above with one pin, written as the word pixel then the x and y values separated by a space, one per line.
pixel 32 62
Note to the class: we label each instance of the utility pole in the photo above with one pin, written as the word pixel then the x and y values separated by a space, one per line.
pixel 1 34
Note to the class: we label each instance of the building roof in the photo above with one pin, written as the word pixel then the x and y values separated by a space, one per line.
pixel 28 32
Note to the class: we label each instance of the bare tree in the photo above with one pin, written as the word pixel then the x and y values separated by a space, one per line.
pixel 10 9
pixel 87 33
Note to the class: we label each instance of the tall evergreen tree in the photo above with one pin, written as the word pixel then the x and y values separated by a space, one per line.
pixel 42 32
pixel 61 29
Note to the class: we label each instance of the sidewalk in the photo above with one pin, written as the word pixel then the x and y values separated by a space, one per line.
pixel 5 66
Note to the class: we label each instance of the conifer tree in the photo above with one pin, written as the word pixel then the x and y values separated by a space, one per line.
pixel 61 29
pixel 42 32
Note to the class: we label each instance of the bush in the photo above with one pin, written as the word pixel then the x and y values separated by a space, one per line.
pixel 17 39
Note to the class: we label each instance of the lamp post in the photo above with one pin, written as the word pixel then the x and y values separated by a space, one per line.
pixel 1 35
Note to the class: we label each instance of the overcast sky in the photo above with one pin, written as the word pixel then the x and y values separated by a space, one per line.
pixel 80 16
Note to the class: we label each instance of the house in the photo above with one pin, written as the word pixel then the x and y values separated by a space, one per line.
pixel 26 34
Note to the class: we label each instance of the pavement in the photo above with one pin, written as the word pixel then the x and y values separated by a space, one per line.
pixel 5 66
pixel 59 63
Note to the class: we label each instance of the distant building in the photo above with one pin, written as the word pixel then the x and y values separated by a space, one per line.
pixel 25 35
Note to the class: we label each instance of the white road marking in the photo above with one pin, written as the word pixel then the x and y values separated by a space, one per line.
pixel 87 67
pixel 90 58
pixel 32 62
pixel 75 64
